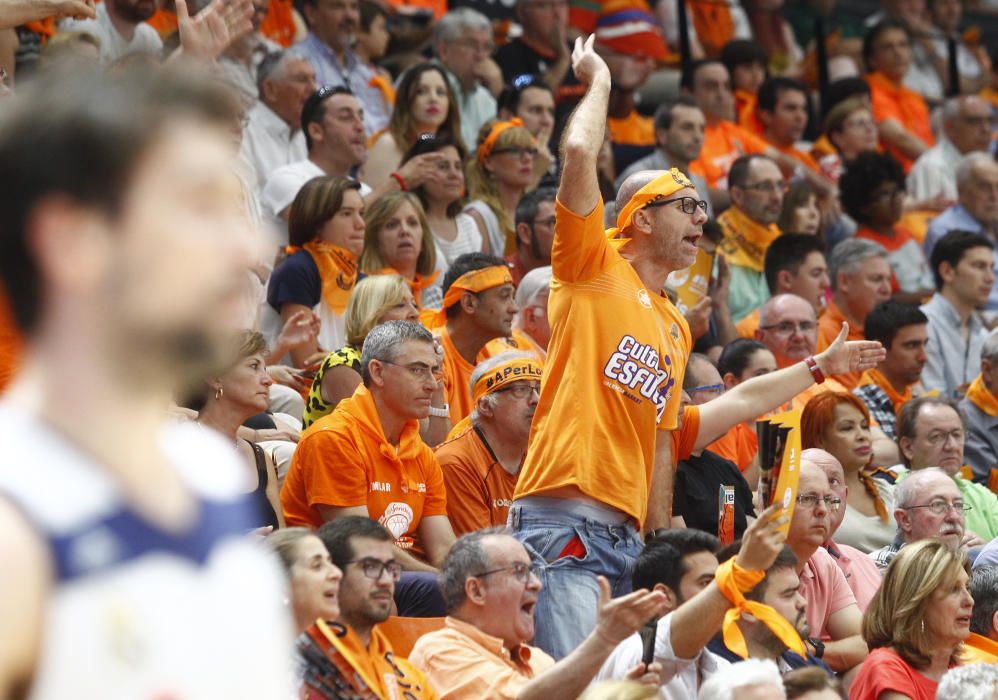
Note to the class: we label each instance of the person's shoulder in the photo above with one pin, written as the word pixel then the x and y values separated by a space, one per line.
pixel 299 262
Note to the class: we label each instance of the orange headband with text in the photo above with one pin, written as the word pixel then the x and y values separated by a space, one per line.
pixel 485 150
pixel 662 186
pixel 504 374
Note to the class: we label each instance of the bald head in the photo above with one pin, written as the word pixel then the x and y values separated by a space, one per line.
pixel 788 327
pixel 634 183
pixel 779 306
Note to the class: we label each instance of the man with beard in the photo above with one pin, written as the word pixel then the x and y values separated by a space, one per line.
pixel 120 26
pixel 481 463
pixel 124 260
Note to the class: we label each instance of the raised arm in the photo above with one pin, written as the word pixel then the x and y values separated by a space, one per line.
pixel 756 396
pixel 580 144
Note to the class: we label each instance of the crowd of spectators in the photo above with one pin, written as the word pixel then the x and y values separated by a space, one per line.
pixel 381 348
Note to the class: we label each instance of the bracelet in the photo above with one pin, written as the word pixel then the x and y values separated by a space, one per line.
pixel 398 179
pixel 812 365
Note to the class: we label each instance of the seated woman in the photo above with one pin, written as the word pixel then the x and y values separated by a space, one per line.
pixel 872 191
pixel 916 624
pixel 849 127
pixel 800 212
pixel 454 232
pixel 839 423
pixel 234 397
pixel 398 241
pixel 502 171
pixel 901 114
pixel 424 104
pixel 314 581
pixel 326 230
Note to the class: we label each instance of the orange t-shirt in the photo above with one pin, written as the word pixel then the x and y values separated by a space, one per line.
pixel 740 445
pixel 895 101
pixel 685 439
pixel 632 130
pixel 829 326
pixel 343 460
pixel 613 376
pixel 479 489
pixel 745 104
pixel 279 24
pixel 723 143
pixel 457 379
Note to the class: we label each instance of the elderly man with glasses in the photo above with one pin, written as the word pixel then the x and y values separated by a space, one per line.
pixel 490 585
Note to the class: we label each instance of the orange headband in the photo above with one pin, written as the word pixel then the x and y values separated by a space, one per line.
pixel 662 186
pixel 474 281
pixel 506 373
pixel 485 150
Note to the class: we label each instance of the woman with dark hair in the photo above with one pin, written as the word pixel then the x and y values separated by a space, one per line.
pixel 326 232
pixel 424 104
pixel 872 191
pixel 800 213
pixel 454 232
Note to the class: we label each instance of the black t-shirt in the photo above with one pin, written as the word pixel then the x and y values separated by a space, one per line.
pixel 695 493
pixel 295 281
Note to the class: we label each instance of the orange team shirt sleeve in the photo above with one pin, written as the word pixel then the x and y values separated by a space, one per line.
pixel 684 439
pixel 580 249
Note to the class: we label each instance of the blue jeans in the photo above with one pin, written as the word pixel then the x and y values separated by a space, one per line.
pixel 567 605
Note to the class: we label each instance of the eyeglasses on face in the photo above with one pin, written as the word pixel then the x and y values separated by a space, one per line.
pixel 788 327
pixel 689 205
pixel 940 506
pixel 938 437
pixel 419 371
pixel 768 187
pixel 810 501
pixel 520 571
pixel 521 390
pixel 716 388
pixel 375 568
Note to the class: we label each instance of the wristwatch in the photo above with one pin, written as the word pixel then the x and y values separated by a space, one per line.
pixel 818 646
pixel 812 365
pixel 442 412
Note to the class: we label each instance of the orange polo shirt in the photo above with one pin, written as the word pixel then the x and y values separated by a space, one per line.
pixel 829 326
pixel 723 143
pixel 457 379
pixel 613 376
pixel 343 460
pixel 479 489
pixel 895 101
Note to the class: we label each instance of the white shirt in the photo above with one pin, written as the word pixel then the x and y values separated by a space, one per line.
pixel 112 45
pixel 681 675
pixel 269 143
pixel 934 171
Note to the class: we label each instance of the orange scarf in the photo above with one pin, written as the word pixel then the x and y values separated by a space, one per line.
pixel 384 85
pixel 416 285
pixel 981 396
pixel 337 270
pixel 874 376
pixel 745 241
pixel 733 582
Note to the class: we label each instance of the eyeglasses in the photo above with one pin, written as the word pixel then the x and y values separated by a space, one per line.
pixel 689 204
pixel 549 222
pixel 374 568
pixel 419 371
pixel 521 390
pixel 788 327
pixel 516 151
pixel 811 500
pixel 768 187
pixel 941 506
pixel 486 47
pixel 938 437
pixel 521 571
pixel 719 388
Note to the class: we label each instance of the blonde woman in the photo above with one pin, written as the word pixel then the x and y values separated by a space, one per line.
pixel 916 624
pixel 314 581
pixel 501 172
pixel 398 241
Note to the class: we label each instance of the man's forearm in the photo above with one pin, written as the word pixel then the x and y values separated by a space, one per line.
pixel 411 563
pixel 569 677
pixel 660 489
pixel 845 653
pixel 587 125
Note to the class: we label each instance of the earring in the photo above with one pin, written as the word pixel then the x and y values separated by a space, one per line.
pixel 923 626
pixel 218 393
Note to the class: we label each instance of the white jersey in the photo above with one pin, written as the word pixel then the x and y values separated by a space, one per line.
pixel 137 613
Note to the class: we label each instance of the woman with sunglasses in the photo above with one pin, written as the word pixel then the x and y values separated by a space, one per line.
pixel 503 170
pixel 531 100
pixel 424 104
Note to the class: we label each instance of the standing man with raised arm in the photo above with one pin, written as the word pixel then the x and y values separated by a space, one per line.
pixel 600 464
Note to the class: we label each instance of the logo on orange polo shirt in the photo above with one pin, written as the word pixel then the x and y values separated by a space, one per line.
pixel 635 366
pixel 397 518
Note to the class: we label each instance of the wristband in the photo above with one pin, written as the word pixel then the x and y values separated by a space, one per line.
pixel 398 179
pixel 812 365
pixel 442 412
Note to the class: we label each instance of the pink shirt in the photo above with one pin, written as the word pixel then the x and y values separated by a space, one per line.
pixel 860 571
pixel 824 587
pixel 883 672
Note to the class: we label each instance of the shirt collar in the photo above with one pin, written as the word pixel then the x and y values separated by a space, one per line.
pixel 272 122
pixel 520 654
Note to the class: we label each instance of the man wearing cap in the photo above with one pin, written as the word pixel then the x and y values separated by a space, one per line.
pixel 478 306
pixel 481 464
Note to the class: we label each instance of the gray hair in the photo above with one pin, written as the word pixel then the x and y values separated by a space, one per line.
pixel 965 168
pixel 906 492
pixel 486 366
pixel 384 340
pixel 984 591
pixel 723 684
pixel 466 558
pixel 273 66
pixel 973 682
pixel 457 22
pixel 849 255
pixel 951 109
pixel 533 284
